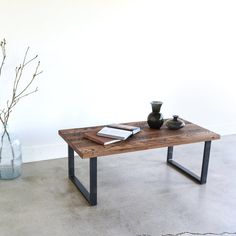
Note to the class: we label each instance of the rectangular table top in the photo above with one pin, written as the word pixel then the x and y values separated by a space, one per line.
pixel 146 139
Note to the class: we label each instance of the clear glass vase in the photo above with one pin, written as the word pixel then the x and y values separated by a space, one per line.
pixel 10 156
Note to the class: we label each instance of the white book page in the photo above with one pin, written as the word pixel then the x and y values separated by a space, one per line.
pixel 114 133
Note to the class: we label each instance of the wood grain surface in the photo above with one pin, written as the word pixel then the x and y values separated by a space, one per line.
pixel 146 139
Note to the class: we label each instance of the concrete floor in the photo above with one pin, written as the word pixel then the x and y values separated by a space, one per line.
pixel 138 195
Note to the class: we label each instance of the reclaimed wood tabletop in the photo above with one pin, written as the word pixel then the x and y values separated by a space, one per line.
pixel 146 139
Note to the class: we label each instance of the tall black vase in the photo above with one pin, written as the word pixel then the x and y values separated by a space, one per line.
pixel 155 119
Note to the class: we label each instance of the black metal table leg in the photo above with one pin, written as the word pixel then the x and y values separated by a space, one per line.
pixel 71 168
pixel 205 161
pixel 93 181
pixel 91 196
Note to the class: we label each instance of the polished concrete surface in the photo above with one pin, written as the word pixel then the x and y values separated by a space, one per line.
pixel 138 195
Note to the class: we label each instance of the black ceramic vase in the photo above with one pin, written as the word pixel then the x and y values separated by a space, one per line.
pixel 155 119
pixel 175 123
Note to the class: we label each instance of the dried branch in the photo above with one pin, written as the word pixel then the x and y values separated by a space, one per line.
pixel 17 94
pixel 32 79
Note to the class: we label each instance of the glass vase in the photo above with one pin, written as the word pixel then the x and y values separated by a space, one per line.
pixel 10 156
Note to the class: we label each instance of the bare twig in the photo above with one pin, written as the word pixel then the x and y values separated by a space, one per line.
pixel 191 233
pixel 3 47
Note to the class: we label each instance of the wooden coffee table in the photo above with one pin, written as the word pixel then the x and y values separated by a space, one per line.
pixel 146 139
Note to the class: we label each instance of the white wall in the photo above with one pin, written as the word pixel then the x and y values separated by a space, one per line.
pixel 104 61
